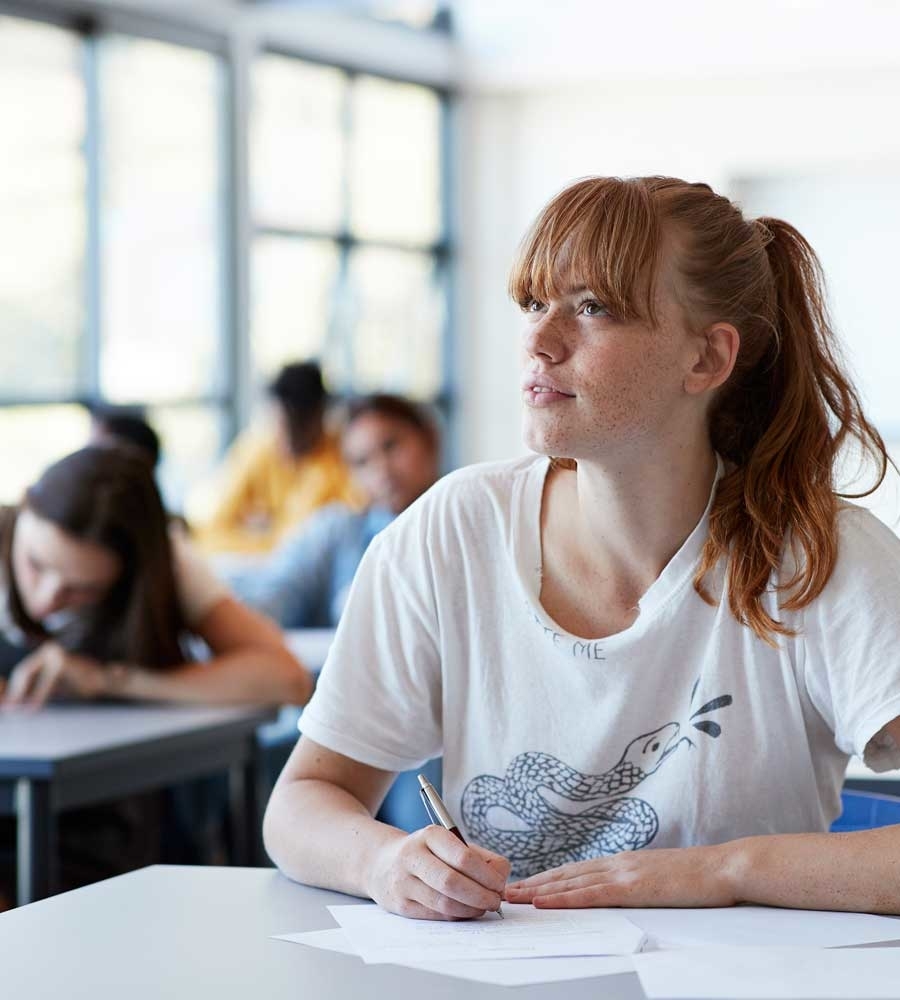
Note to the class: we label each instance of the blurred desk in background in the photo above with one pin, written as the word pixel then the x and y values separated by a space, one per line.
pixel 859 777
pixel 310 645
pixel 65 756
pixel 277 738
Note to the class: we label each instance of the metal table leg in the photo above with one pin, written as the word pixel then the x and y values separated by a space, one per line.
pixel 35 841
pixel 243 808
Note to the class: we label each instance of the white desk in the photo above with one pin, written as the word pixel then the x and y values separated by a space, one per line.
pixel 197 933
pixel 310 645
pixel 75 755
pixel 858 776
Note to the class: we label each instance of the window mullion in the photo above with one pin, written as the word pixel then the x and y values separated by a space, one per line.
pixel 91 344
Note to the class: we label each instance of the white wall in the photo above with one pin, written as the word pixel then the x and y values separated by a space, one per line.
pixel 519 149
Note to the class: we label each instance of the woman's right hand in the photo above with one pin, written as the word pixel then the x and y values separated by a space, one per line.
pixel 432 875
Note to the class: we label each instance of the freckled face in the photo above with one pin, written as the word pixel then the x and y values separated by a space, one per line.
pixel 593 384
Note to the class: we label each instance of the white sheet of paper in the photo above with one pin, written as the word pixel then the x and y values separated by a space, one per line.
pixel 762 926
pixel 498 972
pixel 379 936
pixel 770 973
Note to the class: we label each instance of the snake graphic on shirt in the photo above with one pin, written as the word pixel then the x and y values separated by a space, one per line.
pixel 543 813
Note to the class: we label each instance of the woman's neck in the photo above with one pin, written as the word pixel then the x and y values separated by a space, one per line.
pixel 609 529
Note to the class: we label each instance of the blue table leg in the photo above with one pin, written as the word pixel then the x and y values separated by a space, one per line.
pixel 36 845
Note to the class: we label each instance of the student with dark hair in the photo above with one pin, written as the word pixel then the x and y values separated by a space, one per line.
pixel 273 480
pixel 124 425
pixel 647 651
pixel 98 595
pixel 391 447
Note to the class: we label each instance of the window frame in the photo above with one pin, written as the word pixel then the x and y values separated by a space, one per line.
pixel 442 251
pixel 237 51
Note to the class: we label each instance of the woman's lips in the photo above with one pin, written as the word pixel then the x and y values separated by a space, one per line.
pixel 545 397
pixel 539 390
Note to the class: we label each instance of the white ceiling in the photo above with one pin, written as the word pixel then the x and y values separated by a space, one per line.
pixel 516 43
pixel 525 44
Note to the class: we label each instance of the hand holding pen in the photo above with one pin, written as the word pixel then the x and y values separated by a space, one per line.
pixel 439 815
pixel 432 875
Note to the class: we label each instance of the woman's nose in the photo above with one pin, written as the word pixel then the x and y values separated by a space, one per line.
pixel 545 338
pixel 49 597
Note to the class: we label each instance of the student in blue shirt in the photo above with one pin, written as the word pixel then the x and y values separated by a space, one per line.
pixel 391 447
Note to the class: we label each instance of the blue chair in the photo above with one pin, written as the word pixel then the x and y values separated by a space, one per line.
pixel 866 810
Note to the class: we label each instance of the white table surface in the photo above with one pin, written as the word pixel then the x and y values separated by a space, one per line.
pixel 179 933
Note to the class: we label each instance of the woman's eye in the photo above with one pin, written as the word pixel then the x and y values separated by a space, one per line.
pixel 595 309
pixel 533 306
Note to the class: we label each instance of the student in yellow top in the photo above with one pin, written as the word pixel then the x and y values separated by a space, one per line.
pixel 274 481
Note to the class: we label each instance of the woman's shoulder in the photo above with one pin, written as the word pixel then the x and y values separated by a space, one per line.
pixel 486 485
pixel 863 536
pixel 498 478
pixel 472 498
pixel 867 563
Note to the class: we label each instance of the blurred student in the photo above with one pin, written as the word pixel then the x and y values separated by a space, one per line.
pixel 391 447
pixel 97 597
pixel 112 425
pixel 273 481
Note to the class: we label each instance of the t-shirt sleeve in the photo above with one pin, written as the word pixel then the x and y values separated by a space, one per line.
pixel 851 640
pixel 378 699
pixel 199 589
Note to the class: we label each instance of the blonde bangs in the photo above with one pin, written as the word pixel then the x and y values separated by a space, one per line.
pixel 602 234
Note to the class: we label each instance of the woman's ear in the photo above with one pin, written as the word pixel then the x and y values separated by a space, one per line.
pixel 717 351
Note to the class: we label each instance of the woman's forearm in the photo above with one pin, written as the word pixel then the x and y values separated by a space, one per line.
pixel 321 835
pixel 264 675
pixel 818 871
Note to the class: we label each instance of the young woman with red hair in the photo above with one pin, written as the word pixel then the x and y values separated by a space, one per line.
pixel 647 653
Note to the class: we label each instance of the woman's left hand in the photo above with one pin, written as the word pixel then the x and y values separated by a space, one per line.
pixel 51 670
pixel 688 876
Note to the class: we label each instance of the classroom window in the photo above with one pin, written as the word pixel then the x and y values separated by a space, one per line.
pixel 42 204
pixel 160 269
pixel 111 195
pixel 33 437
pixel 349 263
pixel 121 192
pixel 394 167
pixel 396 321
pixel 299 144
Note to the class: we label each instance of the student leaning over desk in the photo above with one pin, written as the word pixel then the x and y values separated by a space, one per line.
pixel 98 594
pixel 646 660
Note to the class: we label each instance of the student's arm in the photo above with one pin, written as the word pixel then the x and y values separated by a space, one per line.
pixel 811 871
pixel 250 665
pixel 292 584
pixel 319 830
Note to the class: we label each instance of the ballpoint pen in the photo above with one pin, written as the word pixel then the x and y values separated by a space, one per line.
pixel 438 814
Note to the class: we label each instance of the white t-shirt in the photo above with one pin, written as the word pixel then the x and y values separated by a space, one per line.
pixel 683 729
